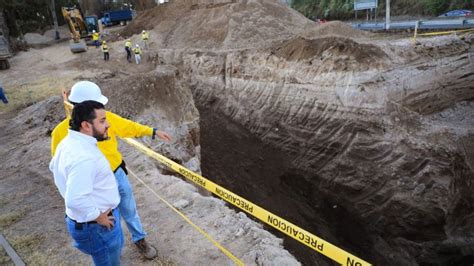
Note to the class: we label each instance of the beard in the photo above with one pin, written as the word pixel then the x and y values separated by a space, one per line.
pixel 98 136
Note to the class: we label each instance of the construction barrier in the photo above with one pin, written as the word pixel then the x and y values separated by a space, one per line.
pixel 214 242
pixel 312 241
pixel 68 108
pixel 331 251
pixel 416 34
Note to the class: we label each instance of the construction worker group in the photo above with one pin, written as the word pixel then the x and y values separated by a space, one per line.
pixel 129 48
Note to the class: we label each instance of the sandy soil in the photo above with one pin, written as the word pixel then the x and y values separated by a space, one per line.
pixel 322 107
pixel 31 215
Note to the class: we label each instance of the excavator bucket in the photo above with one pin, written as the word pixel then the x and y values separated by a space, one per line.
pixel 78 47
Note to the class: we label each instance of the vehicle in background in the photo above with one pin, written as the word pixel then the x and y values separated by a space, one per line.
pixel 4 52
pixel 117 17
pixel 457 13
pixel 81 28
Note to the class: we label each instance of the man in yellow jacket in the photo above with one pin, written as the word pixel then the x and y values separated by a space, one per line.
pixel 119 127
pixel 145 37
pixel 95 38
pixel 128 49
pixel 105 50
pixel 138 54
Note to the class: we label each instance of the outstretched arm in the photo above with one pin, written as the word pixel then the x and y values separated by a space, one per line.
pixel 161 134
pixel 129 129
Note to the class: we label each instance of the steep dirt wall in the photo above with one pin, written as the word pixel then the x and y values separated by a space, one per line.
pixel 367 133
pixel 157 98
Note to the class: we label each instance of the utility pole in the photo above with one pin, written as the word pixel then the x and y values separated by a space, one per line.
pixel 55 19
pixel 387 15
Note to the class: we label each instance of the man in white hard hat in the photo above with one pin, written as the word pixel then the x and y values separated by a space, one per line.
pixel 121 127
pixel 95 38
pixel 83 177
pixel 138 54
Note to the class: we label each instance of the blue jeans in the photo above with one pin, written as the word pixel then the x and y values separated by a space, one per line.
pixel 96 240
pixel 128 207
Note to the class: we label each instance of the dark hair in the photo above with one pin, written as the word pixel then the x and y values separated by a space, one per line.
pixel 84 111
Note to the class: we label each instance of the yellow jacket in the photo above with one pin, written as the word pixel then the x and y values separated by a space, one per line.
pixel 145 36
pixel 95 36
pixel 119 126
pixel 128 44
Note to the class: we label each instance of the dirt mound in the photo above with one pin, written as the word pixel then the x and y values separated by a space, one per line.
pixel 227 24
pixel 335 52
pixel 336 28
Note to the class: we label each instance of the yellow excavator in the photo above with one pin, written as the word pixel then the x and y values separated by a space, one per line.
pixel 81 28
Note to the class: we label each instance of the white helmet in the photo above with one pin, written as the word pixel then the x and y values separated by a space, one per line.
pixel 93 31
pixel 136 45
pixel 143 31
pixel 86 91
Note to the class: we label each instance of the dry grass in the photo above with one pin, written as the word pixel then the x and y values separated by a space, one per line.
pixel 3 202
pixel 27 246
pixel 4 258
pixel 23 95
pixel 10 218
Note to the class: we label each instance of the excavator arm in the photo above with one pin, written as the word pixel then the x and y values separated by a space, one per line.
pixel 77 27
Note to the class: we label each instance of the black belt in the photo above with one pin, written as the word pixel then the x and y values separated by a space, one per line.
pixel 123 166
pixel 79 226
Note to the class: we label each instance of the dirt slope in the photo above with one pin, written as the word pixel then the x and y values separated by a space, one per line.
pixel 364 140
pixel 31 214
pixel 219 24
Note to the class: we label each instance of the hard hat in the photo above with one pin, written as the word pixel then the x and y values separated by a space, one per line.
pixel 137 45
pixel 128 40
pixel 93 31
pixel 143 31
pixel 104 42
pixel 86 91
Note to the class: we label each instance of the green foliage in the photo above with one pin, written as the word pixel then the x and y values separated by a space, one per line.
pixel 23 16
pixel 343 9
pixel 435 6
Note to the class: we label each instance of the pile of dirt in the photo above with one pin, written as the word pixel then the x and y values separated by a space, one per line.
pixel 334 28
pixel 227 24
pixel 34 39
pixel 342 54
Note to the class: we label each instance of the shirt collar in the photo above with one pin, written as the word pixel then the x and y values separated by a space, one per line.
pixel 81 136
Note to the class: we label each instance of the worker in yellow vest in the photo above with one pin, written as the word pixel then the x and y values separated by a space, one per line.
pixel 105 50
pixel 128 49
pixel 145 37
pixel 138 54
pixel 119 127
pixel 95 38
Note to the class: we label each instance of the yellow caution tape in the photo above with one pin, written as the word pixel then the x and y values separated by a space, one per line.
pixel 312 241
pixel 217 244
pixel 341 256
pixel 68 107
pixel 443 32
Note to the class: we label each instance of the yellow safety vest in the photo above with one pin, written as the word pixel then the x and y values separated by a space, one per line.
pixel 119 127
pixel 95 36
pixel 105 48
pixel 128 44
pixel 137 50
pixel 145 36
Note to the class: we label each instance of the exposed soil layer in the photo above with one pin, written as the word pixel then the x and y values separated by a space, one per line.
pixel 366 141
pixel 339 54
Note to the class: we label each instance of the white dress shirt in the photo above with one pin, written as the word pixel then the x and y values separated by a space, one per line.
pixel 83 177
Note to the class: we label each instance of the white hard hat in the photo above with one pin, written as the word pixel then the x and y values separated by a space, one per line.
pixel 143 31
pixel 137 45
pixel 86 91
pixel 93 31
